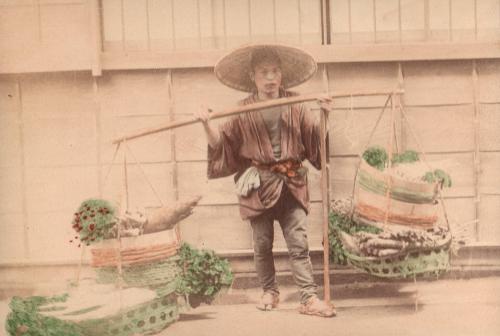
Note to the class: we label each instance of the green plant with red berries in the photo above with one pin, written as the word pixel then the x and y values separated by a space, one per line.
pixel 93 221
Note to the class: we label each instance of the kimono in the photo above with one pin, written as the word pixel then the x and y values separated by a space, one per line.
pixel 244 141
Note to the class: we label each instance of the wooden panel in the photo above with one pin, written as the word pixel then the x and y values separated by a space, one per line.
pixel 219 23
pixel 192 180
pixel 10 145
pixel 287 21
pixel 437 82
pixel 140 193
pixel 11 190
pixel 362 21
pixel 217 227
pixel 439 129
pixel 461 170
pixel 462 20
pixel 133 93
pixel 387 20
pixel 340 22
pixel 315 84
pixel 112 24
pixel 489 127
pixel 310 14
pixel 489 228
pixel 57 95
pixel 153 148
pixel 49 237
pixel 186 24
pixel 11 233
pixel 461 216
pixel 206 24
pixel 160 24
pixel 59 189
pixel 489 178
pixel 19 29
pixel 413 20
pixel 363 77
pixel 237 22
pixel 350 130
pixel 488 19
pixel 342 172
pixel 489 81
pixel 62 141
pixel 65 27
pixel 262 20
pixel 439 20
pixel 135 24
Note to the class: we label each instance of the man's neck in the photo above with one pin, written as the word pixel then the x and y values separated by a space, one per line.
pixel 265 96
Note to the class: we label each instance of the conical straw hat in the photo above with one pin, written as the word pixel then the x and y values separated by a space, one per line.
pixel 297 66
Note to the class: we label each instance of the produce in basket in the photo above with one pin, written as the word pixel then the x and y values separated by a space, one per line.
pixel 96 219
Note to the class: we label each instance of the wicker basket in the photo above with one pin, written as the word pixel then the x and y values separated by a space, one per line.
pixel 381 197
pixel 430 261
pixel 138 250
pixel 55 318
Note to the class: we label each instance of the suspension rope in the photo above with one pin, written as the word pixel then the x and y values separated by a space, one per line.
pixel 143 173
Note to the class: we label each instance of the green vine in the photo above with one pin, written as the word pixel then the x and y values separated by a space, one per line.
pixel 204 274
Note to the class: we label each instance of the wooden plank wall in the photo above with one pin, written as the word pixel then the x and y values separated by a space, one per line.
pixel 56 131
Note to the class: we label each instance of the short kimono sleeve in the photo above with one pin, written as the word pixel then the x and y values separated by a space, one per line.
pixel 223 160
pixel 310 131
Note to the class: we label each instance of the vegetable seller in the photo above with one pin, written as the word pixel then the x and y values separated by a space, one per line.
pixel 265 150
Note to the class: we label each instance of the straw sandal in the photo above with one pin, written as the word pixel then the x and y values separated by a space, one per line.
pixel 317 307
pixel 269 301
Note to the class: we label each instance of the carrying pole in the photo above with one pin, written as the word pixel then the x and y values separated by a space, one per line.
pixel 253 107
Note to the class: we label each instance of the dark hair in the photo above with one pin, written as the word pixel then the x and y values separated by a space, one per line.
pixel 264 54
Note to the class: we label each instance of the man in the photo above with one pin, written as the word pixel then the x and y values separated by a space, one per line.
pixel 265 150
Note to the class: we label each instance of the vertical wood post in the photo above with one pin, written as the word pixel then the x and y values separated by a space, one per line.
pixel 325 193
pixel 477 158
pixel 96 37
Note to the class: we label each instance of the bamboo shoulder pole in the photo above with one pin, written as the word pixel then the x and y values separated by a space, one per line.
pixel 253 107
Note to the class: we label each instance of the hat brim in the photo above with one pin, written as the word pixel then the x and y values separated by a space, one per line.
pixel 297 66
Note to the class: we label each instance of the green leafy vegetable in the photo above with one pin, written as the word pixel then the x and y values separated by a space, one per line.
pixel 204 274
pixel 438 175
pixel 376 157
pixel 408 156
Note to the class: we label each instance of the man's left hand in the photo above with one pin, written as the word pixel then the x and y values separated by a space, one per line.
pixel 325 103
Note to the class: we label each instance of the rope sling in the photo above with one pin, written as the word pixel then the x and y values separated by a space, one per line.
pixel 429 260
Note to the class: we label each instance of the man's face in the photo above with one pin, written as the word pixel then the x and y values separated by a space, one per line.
pixel 267 78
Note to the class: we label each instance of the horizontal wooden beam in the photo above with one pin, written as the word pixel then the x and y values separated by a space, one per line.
pixel 65 60
pixel 322 54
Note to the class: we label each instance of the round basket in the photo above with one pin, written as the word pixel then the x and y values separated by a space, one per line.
pixel 431 261
pixel 41 315
pixel 138 250
pixel 157 275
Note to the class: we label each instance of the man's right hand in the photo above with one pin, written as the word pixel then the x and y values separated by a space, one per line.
pixel 203 115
